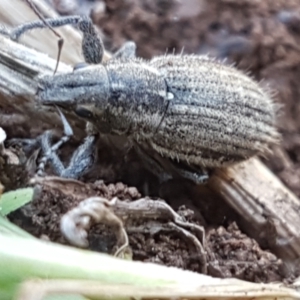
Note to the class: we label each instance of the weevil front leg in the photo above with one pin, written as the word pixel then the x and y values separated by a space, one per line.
pixel 81 162
pixel 43 140
pixel 82 159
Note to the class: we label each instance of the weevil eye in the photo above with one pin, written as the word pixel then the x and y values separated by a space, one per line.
pixel 83 112
pixel 79 66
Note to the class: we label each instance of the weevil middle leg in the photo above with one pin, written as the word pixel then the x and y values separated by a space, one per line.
pixel 165 169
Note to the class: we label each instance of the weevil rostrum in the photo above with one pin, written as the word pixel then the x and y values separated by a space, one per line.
pixel 184 114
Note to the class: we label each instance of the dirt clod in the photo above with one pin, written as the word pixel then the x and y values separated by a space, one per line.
pixel 233 254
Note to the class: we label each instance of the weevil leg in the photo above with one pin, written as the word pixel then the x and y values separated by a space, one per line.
pixel 196 175
pixel 199 177
pixel 43 141
pixel 49 151
pixel 127 51
pixel 82 159
pixel 166 169
pixel 34 143
pixel 151 164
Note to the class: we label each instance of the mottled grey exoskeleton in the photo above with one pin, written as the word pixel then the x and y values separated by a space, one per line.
pixel 183 113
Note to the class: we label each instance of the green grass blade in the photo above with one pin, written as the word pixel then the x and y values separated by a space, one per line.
pixel 13 200
pixel 22 259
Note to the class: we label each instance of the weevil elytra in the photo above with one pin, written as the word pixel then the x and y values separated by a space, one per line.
pixel 182 113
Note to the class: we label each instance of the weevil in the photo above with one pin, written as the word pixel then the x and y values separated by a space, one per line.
pixel 184 114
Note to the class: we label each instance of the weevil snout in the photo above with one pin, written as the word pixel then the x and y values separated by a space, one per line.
pixel 86 85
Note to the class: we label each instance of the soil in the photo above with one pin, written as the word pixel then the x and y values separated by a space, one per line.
pixel 260 37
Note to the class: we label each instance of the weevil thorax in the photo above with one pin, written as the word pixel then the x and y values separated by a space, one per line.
pixel 137 98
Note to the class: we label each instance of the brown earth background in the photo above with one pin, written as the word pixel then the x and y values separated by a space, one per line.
pixel 259 37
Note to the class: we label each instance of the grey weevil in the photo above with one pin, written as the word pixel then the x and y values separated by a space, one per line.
pixel 184 114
